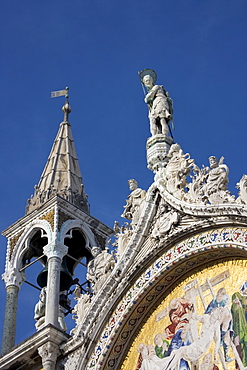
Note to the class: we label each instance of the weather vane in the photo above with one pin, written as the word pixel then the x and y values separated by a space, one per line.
pixel 65 92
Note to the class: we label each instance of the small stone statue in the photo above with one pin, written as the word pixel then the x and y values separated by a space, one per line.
pixel 123 235
pixel 215 189
pixel 134 202
pixel 159 103
pixel 99 268
pixel 166 218
pixel 39 310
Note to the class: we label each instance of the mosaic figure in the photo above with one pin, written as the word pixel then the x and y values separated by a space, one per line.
pixel 222 300
pixel 239 315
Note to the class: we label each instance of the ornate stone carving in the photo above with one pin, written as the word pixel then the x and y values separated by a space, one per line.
pixel 39 310
pixel 215 189
pixel 99 268
pixel 83 303
pixel 55 249
pixel 165 219
pixel 208 185
pixel 159 103
pixel 158 147
pixel 13 277
pixel 71 362
pixel 173 177
pixel 134 203
pixel 242 186
pixel 49 352
pixel 122 235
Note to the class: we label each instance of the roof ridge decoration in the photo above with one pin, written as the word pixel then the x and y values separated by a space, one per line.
pixel 61 175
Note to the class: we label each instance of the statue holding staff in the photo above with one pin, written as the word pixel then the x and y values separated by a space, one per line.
pixel 158 101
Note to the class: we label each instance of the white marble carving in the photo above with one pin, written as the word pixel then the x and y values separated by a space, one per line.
pixel 215 189
pixel 39 310
pixel 82 305
pixel 134 203
pixel 176 171
pixel 122 235
pixel 165 219
pixel 208 185
pixel 13 277
pixel 55 249
pixel 99 268
pixel 242 186
pixel 49 352
pixel 159 104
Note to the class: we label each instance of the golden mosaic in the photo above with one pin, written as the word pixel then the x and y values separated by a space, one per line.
pixel 201 325
pixel 49 217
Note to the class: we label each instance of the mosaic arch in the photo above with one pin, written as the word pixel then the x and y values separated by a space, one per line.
pixel 156 286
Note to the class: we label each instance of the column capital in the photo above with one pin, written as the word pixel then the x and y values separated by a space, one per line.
pixel 55 249
pixel 13 277
pixel 49 352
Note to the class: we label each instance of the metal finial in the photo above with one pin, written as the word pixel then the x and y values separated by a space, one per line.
pixel 66 108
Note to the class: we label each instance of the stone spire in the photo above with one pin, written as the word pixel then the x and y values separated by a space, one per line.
pixel 61 175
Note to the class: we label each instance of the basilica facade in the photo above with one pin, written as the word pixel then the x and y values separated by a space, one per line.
pixel 173 295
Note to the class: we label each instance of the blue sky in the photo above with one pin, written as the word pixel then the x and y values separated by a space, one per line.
pixel 96 47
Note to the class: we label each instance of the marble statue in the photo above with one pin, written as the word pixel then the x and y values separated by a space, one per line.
pixel 165 219
pixel 215 189
pixel 134 203
pixel 99 268
pixel 39 312
pixel 122 235
pixel 159 103
pixel 177 169
pixel 39 309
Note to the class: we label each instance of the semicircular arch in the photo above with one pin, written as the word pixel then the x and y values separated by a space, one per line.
pixel 23 243
pixel 150 286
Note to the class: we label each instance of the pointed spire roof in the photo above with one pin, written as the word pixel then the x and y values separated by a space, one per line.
pixel 61 175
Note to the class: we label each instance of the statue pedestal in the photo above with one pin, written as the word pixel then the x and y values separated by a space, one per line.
pixel 158 147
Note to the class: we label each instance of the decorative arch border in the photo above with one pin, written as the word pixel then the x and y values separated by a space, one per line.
pixel 185 256
pixel 72 224
pixel 22 243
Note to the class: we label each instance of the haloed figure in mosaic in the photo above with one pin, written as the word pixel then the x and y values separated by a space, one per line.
pixel 222 301
pixel 239 315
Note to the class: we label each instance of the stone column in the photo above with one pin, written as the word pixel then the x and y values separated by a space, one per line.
pixel 13 280
pixel 55 252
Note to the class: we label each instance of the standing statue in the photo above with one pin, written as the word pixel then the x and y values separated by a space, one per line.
pixel 215 189
pixel 39 310
pixel 134 202
pixel 99 268
pixel 159 103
